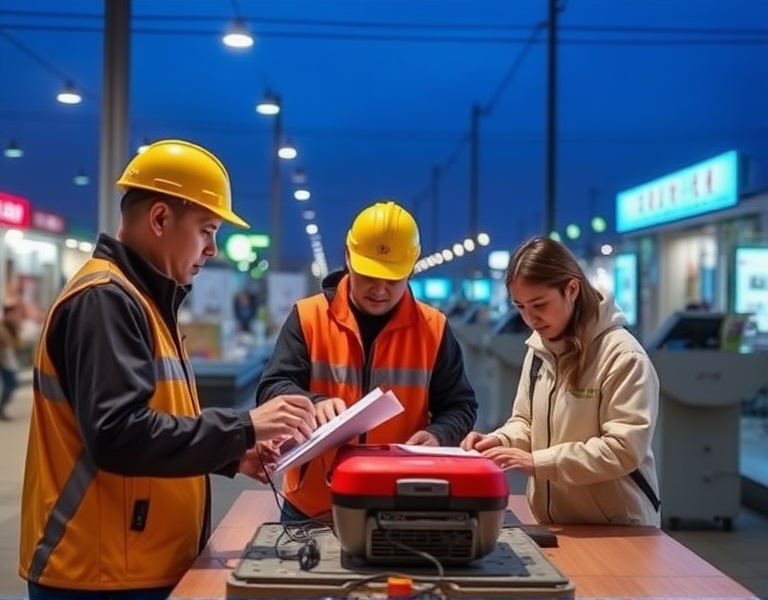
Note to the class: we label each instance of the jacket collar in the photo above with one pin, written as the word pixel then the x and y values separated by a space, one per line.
pixel 162 290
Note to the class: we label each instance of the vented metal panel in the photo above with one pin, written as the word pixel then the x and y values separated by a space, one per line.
pixel 451 544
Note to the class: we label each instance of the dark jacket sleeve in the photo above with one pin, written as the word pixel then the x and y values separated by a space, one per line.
pixel 452 401
pixel 101 348
pixel 288 370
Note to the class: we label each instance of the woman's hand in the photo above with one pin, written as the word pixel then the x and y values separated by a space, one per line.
pixel 512 458
pixel 479 441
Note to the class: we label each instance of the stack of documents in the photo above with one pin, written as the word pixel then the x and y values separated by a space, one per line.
pixel 367 413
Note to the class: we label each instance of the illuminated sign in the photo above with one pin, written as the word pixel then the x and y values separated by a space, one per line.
pixel 50 222
pixel 625 288
pixel 14 211
pixel 705 187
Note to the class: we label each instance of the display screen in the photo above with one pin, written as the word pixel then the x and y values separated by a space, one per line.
pixel 437 289
pixel 750 284
pixel 417 287
pixel 625 290
pixel 477 290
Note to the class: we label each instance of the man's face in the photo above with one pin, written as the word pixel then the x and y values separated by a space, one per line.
pixel 375 296
pixel 189 241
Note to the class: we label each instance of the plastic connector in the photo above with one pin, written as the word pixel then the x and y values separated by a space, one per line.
pixel 399 587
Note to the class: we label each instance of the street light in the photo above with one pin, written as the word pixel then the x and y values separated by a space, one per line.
pixel 13 150
pixel 69 94
pixel 238 36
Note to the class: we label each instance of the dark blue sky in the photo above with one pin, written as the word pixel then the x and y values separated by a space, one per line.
pixel 377 92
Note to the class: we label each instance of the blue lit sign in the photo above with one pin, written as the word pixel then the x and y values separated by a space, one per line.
pixel 417 287
pixel 437 289
pixel 705 187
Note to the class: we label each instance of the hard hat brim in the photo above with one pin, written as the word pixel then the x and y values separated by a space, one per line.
pixel 226 215
pixel 229 217
pixel 378 269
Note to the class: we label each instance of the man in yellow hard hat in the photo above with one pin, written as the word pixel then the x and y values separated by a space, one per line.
pixel 366 330
pixel 116 499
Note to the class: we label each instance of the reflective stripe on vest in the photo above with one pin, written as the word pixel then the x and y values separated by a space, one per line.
pixel 75 526
pixel 402 360
pixel 66 506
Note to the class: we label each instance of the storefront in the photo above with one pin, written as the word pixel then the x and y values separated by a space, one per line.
pixel 682 231
pixel 34 251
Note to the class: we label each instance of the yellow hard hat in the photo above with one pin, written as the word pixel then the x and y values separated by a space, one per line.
pixel 383 242
pixel 184 170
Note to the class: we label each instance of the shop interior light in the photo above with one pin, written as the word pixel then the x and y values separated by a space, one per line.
pixel 238 36
pixel 69 95
pixel 81 179
pixel 85 246
pixel 70 243
pixel 13 150
pixel 301 195
pixel 14 235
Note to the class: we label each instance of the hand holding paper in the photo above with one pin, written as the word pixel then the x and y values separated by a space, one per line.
pixel 367 413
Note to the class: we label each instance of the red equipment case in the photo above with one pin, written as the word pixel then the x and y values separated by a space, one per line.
pixel 390 504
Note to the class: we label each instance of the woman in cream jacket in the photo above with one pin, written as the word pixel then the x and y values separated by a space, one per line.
pixel 583 433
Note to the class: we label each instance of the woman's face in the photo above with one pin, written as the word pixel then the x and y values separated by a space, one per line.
pixel 544 309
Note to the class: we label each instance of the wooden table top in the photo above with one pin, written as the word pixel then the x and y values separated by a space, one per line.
pixel 601 561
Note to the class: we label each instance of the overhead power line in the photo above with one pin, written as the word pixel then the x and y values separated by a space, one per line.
pixel 428 26
pixel 400 38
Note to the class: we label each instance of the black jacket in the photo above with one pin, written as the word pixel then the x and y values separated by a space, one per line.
pixel 112 391
pixel 452 403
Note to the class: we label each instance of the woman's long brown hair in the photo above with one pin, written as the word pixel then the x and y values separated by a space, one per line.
pixel 542 261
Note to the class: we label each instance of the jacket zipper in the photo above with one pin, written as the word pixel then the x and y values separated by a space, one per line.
pixel 549 440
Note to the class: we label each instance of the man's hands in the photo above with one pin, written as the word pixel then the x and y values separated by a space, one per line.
pixel 423 438
pixel 479 441
pixel 258 461
pixel 325 410
pixel 287 415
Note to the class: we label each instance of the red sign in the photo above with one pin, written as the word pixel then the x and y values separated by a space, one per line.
pixel 50 222
pixel 14 211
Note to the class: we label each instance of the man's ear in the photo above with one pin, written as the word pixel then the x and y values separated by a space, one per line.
pixel 159 214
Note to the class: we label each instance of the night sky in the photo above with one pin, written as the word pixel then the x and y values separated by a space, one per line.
pixel 376 93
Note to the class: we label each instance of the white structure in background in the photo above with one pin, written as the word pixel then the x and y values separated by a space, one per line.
pixel 283 291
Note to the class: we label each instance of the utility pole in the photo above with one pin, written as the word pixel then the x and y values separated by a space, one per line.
pixel 276 193
pixel 435 205
pixel 114 110
pixel 474 179
pixel 474 166
pixel 551 169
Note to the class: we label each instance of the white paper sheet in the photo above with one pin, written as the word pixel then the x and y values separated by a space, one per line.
pixel 438 450
pixel 365 414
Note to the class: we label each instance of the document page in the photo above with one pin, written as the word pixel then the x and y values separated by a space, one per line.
pixel 368 412
pixel 438 450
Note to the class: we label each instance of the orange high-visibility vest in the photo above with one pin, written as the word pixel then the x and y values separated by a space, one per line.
pixel 76 519
pixel 402 360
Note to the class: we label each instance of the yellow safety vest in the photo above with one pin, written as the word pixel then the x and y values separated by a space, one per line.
pixel 76 520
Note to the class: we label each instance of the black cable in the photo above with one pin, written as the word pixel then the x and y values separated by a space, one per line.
pixel 512 71
pixel 403 25
pixel 367 37
pixel 41 61
pixel 297 532
pixel 434 586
